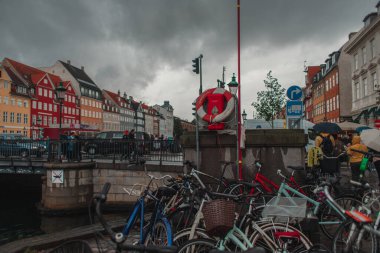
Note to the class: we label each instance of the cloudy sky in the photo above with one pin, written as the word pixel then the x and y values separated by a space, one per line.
pixel 145 47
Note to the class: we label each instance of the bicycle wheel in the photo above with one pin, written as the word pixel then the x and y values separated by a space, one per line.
pixel 184 235
pixel 349 239
pixel 329 215
pixel 182 218
pixel 160 234
pixel 266 238
pixel 198 246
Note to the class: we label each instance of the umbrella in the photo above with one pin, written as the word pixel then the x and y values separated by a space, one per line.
pixel 327 127
pixel 349 126
pixel 362 128
pixel 371 138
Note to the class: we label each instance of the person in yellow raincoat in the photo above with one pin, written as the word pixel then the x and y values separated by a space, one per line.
pixel 356 157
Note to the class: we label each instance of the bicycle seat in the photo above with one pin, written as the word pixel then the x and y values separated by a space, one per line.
pixel 166 191
pixel 299 168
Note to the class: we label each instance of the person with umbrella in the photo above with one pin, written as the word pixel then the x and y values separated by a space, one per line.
pixel 356 157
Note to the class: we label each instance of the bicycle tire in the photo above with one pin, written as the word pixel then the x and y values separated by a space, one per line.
pixel 329 214
pixel 340 241
pixel 200 245
pixel 184 235
pixel 160 234
pixel 257 238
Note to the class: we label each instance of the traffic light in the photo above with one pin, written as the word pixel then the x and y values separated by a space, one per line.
pixel 194 108
pixel 196 65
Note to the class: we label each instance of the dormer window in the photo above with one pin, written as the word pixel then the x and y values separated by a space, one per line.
pixel 333 59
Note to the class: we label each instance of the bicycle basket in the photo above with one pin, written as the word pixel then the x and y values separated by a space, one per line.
pixel 282 208
pixel 219 216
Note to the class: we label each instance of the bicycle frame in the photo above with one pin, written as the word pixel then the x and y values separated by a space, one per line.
pixel 285 189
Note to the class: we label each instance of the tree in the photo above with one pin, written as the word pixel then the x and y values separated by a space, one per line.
pixel 178 130
pixel 270 101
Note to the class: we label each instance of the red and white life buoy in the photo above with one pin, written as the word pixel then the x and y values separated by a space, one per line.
pixel 217 116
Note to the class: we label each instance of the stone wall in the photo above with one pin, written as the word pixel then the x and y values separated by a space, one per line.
pixel 275 148
pixel 82 180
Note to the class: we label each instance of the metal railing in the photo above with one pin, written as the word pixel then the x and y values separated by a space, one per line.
pixel 76 150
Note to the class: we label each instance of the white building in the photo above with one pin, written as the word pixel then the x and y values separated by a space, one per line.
pixel 167 120
pixel 364 49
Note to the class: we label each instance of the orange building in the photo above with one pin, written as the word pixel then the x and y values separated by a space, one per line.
pixel 14 103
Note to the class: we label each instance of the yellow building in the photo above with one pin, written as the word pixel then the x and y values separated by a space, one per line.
pixel 14 103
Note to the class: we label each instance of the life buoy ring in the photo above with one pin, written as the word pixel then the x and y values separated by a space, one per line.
pixel 218 116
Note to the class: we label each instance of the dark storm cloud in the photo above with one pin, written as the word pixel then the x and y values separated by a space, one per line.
pixel 124 44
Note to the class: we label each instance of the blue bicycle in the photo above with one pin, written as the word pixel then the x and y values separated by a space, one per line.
pixel 157 230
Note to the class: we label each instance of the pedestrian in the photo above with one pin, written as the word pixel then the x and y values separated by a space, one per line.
pixel 70 147
pixel 125 145
pixel 328 164
pixel 78 147
pixel 132 144
pixel 356 157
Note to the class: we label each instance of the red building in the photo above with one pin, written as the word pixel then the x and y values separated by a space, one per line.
pixel 44 104
pixel 310 71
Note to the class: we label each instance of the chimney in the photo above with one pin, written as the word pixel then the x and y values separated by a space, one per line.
pixel 118 93
pixel 125 95
pixel 352 34
pixel 82 68
pixel 69 62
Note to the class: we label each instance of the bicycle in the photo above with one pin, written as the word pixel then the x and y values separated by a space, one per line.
pixel 120 238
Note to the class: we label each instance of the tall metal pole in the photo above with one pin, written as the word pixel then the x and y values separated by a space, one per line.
pixel 240 163
pixel 196 114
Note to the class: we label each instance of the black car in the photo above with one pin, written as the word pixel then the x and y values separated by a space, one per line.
pixel 19 145
pixel 106 143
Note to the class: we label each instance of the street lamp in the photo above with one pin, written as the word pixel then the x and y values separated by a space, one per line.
pixel 233 85
pixel 60 92
pixel 244 115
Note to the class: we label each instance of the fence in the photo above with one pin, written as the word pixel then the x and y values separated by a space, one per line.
pixel 112 150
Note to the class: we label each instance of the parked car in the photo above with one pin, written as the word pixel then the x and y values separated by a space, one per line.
pixel 19 145
pixel 105 143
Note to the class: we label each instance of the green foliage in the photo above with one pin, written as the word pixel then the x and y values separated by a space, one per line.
pixel 270 101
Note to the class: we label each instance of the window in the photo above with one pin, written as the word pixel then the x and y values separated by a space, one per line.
pixel 6 100
pixel 12 117
pixel 45 81
pixel 327 85
pixel 356 62
pixel 69 99
pixel 365 87
pixel 5 84
pixel 372 48
pixel 40 91
pixel 18 118
pixel 19 103
pixel 50 107
pixel 357 91
pixel 333 103
pixel 69 110
pixel 5 116
pixel 50 120
pixel 55 108
pixel 26 104
pixel 50 94
pixel 25 118
pixel 45 106
pixel 34 119
pixel 45 120
pixel 364 55
pixel 333 80
pixel 374 81
pixel 65 109
pixel 13 101
pixel 40 105
pixel 55 120
pixel 45 92
pixel 82 90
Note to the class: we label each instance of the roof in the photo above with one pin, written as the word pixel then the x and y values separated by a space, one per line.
pixel 15 79
pixel 79 75
pixel 115 97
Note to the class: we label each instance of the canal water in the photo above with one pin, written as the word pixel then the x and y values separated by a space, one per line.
pixel 19 215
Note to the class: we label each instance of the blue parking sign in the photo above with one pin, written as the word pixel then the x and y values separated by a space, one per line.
pixel 294 108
